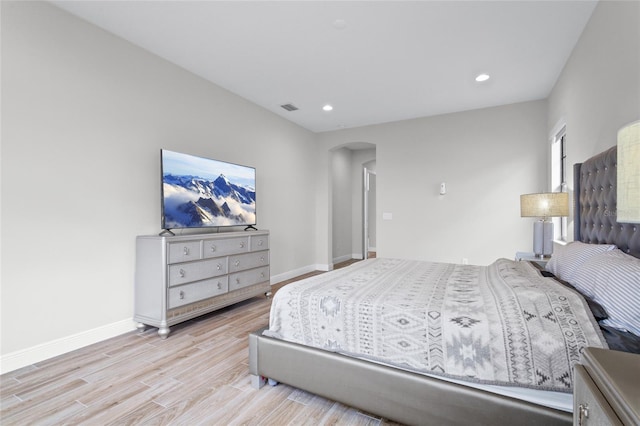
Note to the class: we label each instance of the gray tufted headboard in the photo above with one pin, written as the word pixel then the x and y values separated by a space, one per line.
pixel 595 205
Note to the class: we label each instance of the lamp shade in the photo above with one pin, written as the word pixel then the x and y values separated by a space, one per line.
pixel 629 174
pixel 546 204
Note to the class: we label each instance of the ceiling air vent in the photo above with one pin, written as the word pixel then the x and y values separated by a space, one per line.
pixel 289 107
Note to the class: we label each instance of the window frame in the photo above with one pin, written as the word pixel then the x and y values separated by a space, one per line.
pixel 559 177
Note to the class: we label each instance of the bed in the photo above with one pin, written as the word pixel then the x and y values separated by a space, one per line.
pixel 381 368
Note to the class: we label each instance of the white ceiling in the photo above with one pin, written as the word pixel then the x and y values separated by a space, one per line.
pixel 374 61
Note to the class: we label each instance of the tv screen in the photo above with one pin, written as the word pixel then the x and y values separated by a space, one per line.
pixel 201 192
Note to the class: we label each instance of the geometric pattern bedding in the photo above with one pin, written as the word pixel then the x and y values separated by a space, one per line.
pixel 500 324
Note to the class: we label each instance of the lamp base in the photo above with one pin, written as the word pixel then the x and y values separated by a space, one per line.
pixel 543 238
pixel 547 235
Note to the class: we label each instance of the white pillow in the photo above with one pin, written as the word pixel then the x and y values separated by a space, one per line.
pixel 585 279
pixel 569 258
pixel 612 279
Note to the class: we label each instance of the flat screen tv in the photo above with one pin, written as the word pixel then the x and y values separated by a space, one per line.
pixel 201 192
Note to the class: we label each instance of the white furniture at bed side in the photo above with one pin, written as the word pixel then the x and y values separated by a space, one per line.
pixel 522 255
pixel 607 388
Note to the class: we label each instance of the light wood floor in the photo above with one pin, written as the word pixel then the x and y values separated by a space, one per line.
pixel 199 375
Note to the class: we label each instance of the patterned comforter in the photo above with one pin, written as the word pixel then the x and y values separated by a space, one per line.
pixel 500 324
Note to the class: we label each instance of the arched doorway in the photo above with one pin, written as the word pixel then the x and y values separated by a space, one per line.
pixel 347 207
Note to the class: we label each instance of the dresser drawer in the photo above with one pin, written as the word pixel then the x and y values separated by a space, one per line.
pixel 247 261
pixel 259 242
pixel 184 251
pixel 224 247
pixel 194 292
pixel 186 272
pixel 247 278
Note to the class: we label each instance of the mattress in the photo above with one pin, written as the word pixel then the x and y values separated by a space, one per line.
pixel 496 328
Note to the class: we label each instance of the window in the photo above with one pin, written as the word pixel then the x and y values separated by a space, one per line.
pixel 559 177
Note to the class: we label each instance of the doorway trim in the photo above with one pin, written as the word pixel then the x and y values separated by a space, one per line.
pixel 365 220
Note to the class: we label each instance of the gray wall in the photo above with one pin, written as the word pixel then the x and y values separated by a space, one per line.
pixel 487 157
pixel 84 116
pixel 598 91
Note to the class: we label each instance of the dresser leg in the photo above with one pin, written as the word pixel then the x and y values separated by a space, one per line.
pixel 163 332
pixel 268 294
pixel 141 327
pixel 257 382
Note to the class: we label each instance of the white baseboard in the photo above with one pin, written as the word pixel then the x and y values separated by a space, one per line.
pixel 275 279
pixel 324 267
pixel 22 358
pixel 342 258
pixel 25 357
pixel 347 257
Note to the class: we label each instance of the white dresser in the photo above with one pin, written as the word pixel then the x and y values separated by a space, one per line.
pixel 181 277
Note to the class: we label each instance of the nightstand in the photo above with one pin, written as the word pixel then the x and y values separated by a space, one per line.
pixel 542 261
pixel 607 388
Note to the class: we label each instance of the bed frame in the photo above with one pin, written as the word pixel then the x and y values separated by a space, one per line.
pixel 411 398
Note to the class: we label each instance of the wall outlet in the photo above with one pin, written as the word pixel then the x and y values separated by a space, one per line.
pixel 387 216
pixel 465 261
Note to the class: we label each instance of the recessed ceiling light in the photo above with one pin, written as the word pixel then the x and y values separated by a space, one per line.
pixel 327 108
pixel 482 77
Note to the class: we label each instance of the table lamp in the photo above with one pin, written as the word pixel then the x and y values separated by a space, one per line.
pixel 543 206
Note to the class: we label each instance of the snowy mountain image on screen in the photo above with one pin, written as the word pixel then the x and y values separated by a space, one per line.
pixel 192 201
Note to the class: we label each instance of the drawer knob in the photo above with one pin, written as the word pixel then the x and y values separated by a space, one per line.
pixel 241 244
pixel 219 266
pixel 260 242
pixel 213 248
pixel 583 413
pixel 219 286
pixel 262 274
pixel 237 263
pixel 182 273
pixel 237 280
pixel 186 251
pixel 181 294
pixel 261 258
